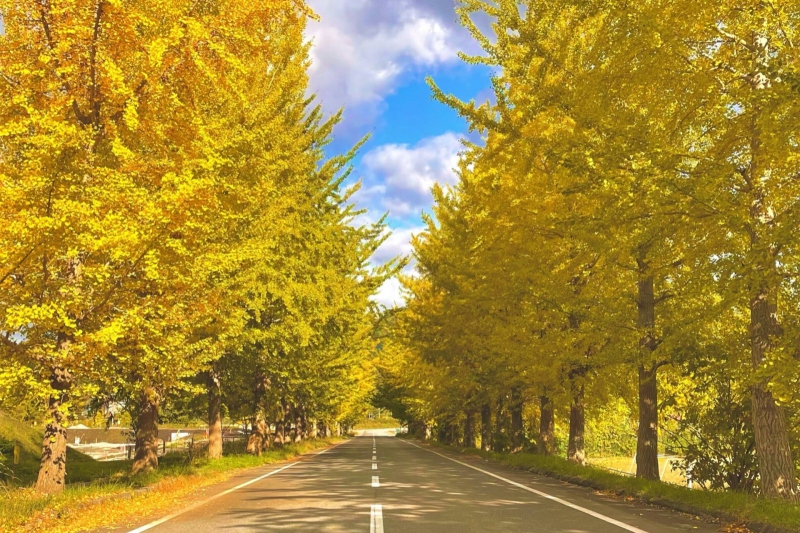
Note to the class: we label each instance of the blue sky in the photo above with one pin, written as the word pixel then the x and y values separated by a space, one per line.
pixel 371 57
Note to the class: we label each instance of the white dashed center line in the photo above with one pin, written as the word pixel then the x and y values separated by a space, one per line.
pixel 376 519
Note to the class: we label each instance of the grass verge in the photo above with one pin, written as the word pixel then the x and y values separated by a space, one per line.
pixel 758 514
pixel 117 498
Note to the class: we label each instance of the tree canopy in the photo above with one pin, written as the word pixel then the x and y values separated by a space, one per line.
pixel 625 228
pixel 170 222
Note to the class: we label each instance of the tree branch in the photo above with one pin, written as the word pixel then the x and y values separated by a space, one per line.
pixel 19 264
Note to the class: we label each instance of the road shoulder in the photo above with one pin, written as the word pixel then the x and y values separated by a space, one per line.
pixel 624 489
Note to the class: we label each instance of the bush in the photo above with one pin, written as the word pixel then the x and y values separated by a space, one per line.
pixel 717 441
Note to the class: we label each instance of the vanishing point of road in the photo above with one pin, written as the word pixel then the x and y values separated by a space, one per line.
pixel 384 484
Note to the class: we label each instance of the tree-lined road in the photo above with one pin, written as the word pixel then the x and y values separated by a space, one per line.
pixel 386 484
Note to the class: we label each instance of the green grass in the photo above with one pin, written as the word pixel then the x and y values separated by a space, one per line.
pixel 13 431
pixel 623 464
pixel 733 506
pixel 80 467
pixel 20 505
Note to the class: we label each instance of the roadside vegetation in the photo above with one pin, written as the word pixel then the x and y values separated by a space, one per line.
pixel 729 507
pixel 115 496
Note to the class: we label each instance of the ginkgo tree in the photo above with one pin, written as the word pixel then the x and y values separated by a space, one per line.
pixel 635 183
pixel 160 164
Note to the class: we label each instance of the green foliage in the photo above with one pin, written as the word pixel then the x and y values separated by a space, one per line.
pixel 377 423
pixel 716 440
pixel 611 430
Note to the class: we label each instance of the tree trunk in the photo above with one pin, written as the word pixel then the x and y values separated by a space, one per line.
pixel 469 430
pixel 146 458
pixel 775 464
pixel 279 433
pixel 486 427
pixel 53 466
pixel 647 434
pixel 258 441
pixel 299 430
pixel 547 426
pixel 447 432
pixel 288 430
pixel 576 451
pixel 498 439
pixel 517 431
pixel 214 415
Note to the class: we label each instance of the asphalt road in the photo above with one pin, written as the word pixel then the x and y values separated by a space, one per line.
pixel 400 487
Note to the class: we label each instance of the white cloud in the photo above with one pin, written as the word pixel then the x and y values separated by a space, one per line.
pixel 398 244
pixel 390 294
pixel 363 47
pixel 399 177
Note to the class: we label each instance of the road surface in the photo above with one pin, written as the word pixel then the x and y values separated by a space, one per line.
pixel 383 484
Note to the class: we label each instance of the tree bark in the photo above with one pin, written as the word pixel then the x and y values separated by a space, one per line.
pixel 775 464
pixel 447 431
pixel 486 427
pixel 576 451
pixel 258 440
pixel 469 430
pixel 547 426
pixel 279 433
pixel 282 431
pixel 647 434
pixel 53 466
pixel 299 431
pixel 517 431
pixel 214 414
pixel 52 475
pixel 498 440
pixel 146 457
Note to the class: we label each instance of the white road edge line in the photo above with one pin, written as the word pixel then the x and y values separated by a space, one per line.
pixel 376 482
pixel 167 518
pixel 595 514
pixel 376 519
